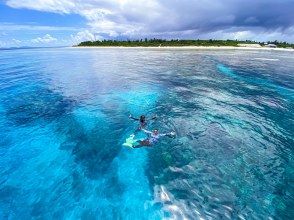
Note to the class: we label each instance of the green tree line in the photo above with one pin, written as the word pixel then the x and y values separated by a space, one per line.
pixel 163 43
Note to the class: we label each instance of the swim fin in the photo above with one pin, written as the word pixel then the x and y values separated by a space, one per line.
pixel 130 142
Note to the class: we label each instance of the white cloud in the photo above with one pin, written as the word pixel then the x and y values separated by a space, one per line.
pixel 10 43
pixel 59 6
pixel 3 33
pixel 45 39
pixel 16 41
pixel 256 34
pixel 2 44
pixel 161 17
pixel 84 36
pixel 112 17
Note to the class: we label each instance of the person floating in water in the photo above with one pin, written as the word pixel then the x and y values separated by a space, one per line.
pixel 142 120
pixel 152 139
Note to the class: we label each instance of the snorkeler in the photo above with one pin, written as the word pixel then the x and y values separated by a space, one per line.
pixel 153 138
pixel 142 120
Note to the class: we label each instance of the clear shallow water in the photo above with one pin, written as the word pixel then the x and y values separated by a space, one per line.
pixel 64 116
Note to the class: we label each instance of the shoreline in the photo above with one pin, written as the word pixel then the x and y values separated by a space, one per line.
pixel 189 47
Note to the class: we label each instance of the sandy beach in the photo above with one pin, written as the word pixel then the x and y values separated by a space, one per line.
pixel 191 48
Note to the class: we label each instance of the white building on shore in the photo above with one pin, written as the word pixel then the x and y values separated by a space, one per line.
pixel 270 45
pixel 250 45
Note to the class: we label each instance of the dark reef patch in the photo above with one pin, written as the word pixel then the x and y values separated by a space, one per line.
pixel 95 149
pixel 39 104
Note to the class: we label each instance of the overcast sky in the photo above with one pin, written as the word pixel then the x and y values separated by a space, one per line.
pixel 67 22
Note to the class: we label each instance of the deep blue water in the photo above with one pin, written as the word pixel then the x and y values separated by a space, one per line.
pixel 64 116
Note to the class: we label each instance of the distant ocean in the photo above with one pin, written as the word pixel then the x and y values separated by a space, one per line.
pixel 64 116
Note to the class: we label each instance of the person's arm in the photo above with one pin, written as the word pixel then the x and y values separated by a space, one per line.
pixel 131 117
pixel 147 132
pixel 162 135
pixel 170 134
pixel 154 117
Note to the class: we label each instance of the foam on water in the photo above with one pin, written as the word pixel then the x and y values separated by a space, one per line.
pixel 265 59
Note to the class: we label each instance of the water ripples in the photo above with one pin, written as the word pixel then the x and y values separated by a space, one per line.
pixel 64 115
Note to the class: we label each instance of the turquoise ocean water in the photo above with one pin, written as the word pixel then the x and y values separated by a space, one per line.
pixel 64 116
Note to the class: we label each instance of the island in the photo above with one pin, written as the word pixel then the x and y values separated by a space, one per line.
pixel 184 43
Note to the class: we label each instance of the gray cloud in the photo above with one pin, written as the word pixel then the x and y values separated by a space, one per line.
pixel 177 18
pixel 210 15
